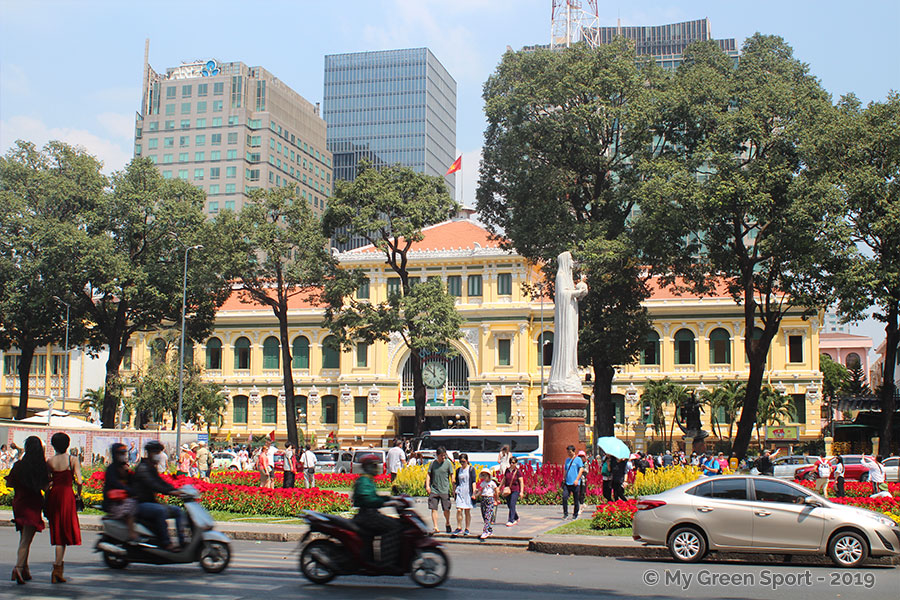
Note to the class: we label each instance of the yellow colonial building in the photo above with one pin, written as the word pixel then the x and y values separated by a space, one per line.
pixel 493 378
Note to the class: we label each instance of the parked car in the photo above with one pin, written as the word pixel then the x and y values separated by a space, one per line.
pixel 854 469
pixel 785 466
pixel 225 459
pixel 750 514
pixel 325 461
pixel 891 468
pixel 349 462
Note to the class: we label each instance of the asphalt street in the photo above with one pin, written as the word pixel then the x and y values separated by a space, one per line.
pixel 269 570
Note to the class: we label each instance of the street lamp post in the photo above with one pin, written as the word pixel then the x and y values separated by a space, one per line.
pixel 181 353
pixel 66 345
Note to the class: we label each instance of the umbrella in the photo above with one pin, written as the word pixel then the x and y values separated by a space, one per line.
pixel 614 446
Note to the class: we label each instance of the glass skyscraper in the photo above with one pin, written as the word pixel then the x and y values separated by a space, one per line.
pixel 666 43
pixel 391 106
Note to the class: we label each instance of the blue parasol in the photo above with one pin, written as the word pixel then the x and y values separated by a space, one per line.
pixel 613 446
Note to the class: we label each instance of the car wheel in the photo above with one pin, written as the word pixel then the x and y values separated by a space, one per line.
pixel 864 476
pixel 318 561
pixel 232 468
pixel 214 556
pixel 810 476
pixel 430 567
pixel 687 545
pixel 848 549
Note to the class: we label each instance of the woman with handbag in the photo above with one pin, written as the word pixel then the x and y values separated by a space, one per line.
pixel 61 509
pixel 513 485
pixel 29 478
pixel 465 494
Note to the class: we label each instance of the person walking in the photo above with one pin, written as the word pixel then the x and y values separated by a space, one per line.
pixel 396 459
pixel 582 488
pixel 271 450
pixel 308 464
pixel 573 470
pixel 489 495
pixel 288 467
pixel 513 485
pixel 823 472
pixel 29 478
pixel 606 477
pixel 437 487
pixel 184 461
pixel 203 460
pixel 839 476
pixel 503 460
pixel 618 478
pixel 876 473
pixel 60 506
pixel 262 465
pixel 465 494
pixel 132 454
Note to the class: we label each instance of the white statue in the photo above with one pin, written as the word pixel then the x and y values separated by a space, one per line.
pixel 564 367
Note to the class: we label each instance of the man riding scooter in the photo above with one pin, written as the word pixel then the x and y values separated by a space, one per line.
pixel 369 518
pixel 145 485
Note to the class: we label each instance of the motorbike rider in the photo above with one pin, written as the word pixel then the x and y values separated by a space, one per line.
pixel 118 497
pixel 369 518
pixel 145 485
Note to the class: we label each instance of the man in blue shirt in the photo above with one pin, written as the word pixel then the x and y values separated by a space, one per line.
pixel 573 471
pixel 711 466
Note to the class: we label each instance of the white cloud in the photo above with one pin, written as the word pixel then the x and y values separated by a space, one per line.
pixel 117 124
pixel 114 155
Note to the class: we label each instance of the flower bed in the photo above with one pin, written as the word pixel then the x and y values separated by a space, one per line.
pixel 852 489
pixel 324 481
pixel 245 499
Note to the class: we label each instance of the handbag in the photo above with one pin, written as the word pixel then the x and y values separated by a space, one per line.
pixel 505 491
pixel 79 503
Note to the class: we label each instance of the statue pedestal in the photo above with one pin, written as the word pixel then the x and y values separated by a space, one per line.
pixel 564 415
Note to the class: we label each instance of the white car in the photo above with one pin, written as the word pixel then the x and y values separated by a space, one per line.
pixel 891 468
pixel 783 467
pixel 225 459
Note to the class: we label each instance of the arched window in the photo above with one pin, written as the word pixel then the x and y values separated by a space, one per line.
pixel 331 358
pixel 300 352
pixel 270 353
pixel 329 410
pixel 239 404
pixel 853 360
pixel 545 349
pixel 214 354
pixel 684 347
pixel 719 347
pixel 158 351
pixel 242 353
pixel 650 351
pixel 269 410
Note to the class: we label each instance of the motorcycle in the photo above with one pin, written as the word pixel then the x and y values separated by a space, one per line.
pixel 337 546
pixel 211 548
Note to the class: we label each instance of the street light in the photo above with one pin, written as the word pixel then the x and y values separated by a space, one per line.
pixel 518 417
pixel 181 354
pixel 66 345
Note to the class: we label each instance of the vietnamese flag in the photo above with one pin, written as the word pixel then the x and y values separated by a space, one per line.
pixel 456 166
pixel 272 435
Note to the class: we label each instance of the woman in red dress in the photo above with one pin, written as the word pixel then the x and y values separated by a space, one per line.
pixel 61 511
pixel 29 478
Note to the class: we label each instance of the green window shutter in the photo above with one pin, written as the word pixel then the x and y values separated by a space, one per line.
pixel 504 409
pixel 240 409
pixel 504 350
pixel 360 409
pixel 504 284
pixel 271 353
pixel 474 285
pixel 362 354
pixel 300 351
pixel 269 409
pixel 454 285
pixel 331 358
pixel 363 292
pixel 242 353
pixel 393 285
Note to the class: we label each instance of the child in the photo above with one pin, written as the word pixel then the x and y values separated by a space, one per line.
pixel 489 493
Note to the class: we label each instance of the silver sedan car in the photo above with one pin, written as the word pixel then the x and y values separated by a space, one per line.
pixel 761 515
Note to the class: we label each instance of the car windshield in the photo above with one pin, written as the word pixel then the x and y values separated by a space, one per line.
pixel 359 455
pixel 324 456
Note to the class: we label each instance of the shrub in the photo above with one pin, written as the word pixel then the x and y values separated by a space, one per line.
pixel 614 515
pixel 655 481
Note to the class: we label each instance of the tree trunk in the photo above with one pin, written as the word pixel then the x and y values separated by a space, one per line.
pixel 419 395
pixel 290 408
pixel 604 411
pixel 888 389
pixel 111 385
pixel 25 359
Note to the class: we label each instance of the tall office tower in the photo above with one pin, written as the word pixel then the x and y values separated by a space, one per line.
pixel 391 106
pixel 666 43
pixel 229 129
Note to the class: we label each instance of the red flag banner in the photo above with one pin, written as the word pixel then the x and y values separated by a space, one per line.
pixel 272 435
pixel 456 166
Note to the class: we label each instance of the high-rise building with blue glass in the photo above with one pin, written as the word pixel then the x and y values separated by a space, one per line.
pixel 391 106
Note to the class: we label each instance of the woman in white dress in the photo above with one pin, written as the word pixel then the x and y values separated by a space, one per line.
pixel 465 492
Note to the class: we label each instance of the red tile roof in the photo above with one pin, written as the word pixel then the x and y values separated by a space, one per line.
pixel 459 234
pixel 239 300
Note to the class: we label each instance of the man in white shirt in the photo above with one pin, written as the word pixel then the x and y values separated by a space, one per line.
pixel 288 466
pixel 308 462
pixel 162 462
pixel 823 470
pixel 396 459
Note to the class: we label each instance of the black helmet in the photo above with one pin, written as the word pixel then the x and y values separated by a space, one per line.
pixel 153 446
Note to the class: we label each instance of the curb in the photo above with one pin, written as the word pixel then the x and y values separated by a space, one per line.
pixel 546 546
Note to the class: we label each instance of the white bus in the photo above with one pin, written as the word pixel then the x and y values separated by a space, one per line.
pixel 483 445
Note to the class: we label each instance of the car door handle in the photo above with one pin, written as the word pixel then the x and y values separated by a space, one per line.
pixel 704 509
pixel 763 513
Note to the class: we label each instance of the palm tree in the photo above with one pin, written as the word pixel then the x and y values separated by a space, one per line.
pixel 679 396
pixel 727 398
pixel 658 394
pixel 774 407
pixel 92 403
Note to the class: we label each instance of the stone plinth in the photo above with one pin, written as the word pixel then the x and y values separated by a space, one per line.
pixel 564 414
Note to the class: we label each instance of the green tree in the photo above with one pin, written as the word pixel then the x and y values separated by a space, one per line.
pixel 770 230
pixel 773 407
pixel 155 393
pixel 133 263
pixel 860 152
pixel 574 139
pixel 834 377
pixel 283 258
pixel 658 394
pixel 856 382
pixel 724 402
pixel 44 195
pixel 389 208
pixel 93 400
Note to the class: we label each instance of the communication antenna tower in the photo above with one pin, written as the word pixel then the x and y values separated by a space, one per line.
pixel 570 23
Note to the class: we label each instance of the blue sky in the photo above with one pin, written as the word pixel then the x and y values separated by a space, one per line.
pixel 71 70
